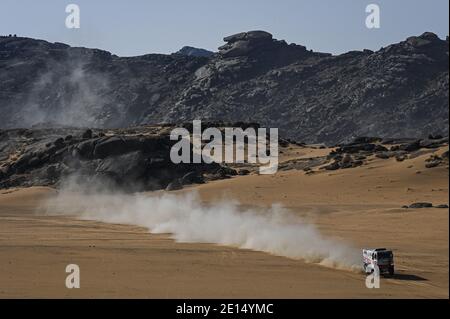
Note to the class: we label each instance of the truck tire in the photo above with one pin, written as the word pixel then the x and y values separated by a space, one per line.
pixel 391 271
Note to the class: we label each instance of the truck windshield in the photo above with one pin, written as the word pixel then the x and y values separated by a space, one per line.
pixel 385 255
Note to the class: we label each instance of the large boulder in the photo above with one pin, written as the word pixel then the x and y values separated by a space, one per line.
pixel 363 147
pixel 129 167
pixel 261 36
pixel 110 146
pixel 421 205
pixel 244 43
pixel 84 149
pixel 192 178
pixel 174 186
pixel 410 147
pixel 118 145
pixel 434 143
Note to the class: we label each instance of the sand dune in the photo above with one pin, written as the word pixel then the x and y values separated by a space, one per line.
pixel 360 205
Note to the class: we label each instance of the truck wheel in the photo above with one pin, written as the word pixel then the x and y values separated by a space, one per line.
pixel 391 271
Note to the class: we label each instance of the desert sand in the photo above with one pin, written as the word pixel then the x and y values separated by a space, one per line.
pixel 360 205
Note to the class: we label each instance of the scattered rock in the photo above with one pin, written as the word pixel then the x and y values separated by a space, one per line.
pixel 435 137
pixel 357 163
pixel 174 186
pixel 433 161
pixel 367 140
pixel 410 147
pixel 283 142
pixel 59 142
pixel 225 172
pixel 360 157
pixel 355 148
pixel 244 172
pixel 192 178
pixel 383 155
pixel 333 166
pixel 421 205
pixel 433 143
pixel 432 164
pixel 87 134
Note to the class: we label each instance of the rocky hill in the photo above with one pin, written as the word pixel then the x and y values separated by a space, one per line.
pixel 398 91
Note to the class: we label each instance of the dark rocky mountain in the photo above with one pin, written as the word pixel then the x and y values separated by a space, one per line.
pixel 191 51
pixel 398 91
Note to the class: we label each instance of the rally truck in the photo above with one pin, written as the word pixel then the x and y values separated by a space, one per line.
pixel 379 257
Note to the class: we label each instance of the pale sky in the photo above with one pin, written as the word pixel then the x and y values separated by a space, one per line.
pixel 136 27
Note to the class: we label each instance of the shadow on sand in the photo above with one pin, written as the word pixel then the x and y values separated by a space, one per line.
pixel 408 277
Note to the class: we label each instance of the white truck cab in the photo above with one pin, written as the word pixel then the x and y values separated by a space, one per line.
pixel 379 257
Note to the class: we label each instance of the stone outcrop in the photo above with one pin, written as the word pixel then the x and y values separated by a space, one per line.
pixel 135 160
